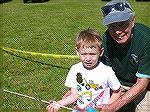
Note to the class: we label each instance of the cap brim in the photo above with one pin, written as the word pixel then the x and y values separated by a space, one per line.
pixel 118 17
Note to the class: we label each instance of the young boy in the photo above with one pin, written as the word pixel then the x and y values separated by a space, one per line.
pixel 90 80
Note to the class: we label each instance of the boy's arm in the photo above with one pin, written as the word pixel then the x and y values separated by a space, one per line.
pixel 69 99
pixel 54 107
pixel 67 93
pixel 115 95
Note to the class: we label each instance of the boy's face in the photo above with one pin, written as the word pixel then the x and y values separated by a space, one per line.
pixel 89 56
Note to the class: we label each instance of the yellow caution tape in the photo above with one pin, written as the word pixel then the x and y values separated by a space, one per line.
pixel 56 56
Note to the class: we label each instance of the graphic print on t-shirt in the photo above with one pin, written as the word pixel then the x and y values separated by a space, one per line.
pixel 87 89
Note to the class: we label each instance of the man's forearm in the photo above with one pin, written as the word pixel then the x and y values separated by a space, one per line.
pixel 115 95
pixel 132 93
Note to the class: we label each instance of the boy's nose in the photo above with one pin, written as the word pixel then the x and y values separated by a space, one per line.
pixel 88 58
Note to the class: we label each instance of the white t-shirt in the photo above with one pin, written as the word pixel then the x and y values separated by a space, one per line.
pixel 91 83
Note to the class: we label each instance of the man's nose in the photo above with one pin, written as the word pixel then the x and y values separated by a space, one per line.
pixel 118 32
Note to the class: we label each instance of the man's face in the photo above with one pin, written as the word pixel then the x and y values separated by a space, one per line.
pixel 121 31
pixel 89 56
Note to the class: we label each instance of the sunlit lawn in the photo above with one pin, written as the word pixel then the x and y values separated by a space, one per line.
pixel 48 27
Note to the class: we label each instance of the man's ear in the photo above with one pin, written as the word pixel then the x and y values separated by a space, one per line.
pixel 133 21
pixel 77 51
pixel 101 52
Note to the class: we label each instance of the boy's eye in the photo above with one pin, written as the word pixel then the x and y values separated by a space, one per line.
pixel 83 54
pixel 92 54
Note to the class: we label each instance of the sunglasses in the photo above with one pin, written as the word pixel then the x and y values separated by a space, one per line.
pixel 118 7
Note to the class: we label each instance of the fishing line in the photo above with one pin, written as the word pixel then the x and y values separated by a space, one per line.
pixel 33 98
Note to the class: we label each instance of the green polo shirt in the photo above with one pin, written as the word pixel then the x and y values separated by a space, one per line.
pixel 131 60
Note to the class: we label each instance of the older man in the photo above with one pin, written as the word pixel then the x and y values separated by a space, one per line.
pixel 127 51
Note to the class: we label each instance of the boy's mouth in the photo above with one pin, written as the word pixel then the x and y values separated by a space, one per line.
pixel 88 64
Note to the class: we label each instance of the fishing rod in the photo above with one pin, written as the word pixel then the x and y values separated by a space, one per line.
pixel 33 98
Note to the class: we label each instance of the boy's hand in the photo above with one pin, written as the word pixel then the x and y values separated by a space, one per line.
pixel 53 107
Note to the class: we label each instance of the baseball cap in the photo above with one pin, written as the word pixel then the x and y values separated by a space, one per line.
pixel 116 11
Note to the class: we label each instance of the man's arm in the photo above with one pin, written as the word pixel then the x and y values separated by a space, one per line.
pixel 115 95
pixel 130 95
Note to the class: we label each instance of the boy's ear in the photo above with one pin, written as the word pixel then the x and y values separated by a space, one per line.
pixel 77 52
pixel 101 52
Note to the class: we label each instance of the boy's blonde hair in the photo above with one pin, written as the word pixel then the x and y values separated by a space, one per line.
pixel 88 38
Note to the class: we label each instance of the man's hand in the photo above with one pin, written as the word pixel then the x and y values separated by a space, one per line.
pixel 106 108
pixel 129 96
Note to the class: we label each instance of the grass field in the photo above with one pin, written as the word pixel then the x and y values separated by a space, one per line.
pixel 48 27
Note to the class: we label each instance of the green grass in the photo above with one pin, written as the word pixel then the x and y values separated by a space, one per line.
pixel 49 27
